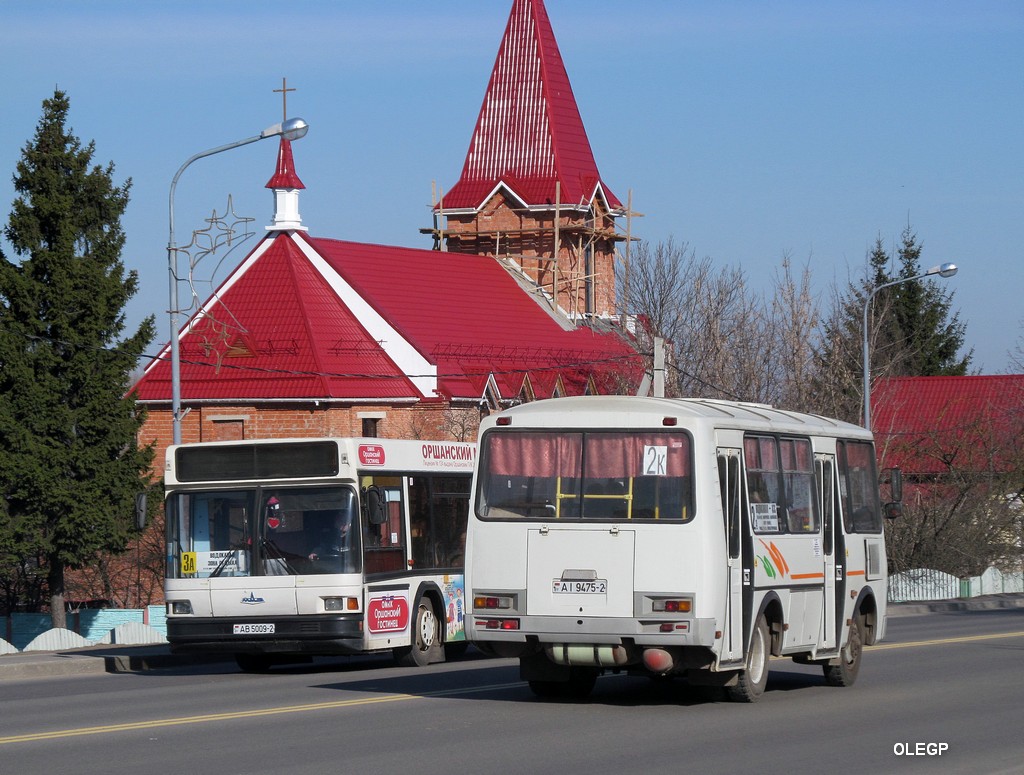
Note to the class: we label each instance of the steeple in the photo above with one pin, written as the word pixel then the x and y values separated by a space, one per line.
pixel 286 185
pixel 530 192
pixel 529 134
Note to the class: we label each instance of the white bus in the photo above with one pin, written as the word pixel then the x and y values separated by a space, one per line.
pixel 674 537
pixel 278 550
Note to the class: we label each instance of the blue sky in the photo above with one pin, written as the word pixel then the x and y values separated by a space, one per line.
pixel 750 130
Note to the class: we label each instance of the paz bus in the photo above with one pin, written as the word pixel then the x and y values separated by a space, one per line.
pixel 278 550
pixel 674 537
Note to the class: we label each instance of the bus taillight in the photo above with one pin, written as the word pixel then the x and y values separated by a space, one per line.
pixel 681 606
pixel 483 602
pixel 501 624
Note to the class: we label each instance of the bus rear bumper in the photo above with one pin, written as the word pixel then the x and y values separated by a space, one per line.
pixel 559 630
pixel 323 635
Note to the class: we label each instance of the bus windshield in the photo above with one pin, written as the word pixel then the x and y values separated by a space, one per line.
pixel 253 531
pixel 584 475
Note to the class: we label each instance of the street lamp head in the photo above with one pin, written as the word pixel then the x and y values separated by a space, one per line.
pixel 290 129
pixel 943 270
pixel 295 128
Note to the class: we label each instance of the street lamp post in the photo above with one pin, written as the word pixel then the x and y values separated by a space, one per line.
pixel 290 129
pixel 944 270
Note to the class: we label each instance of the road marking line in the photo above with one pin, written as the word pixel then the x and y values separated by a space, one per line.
pixel 944 641
pixel 171 722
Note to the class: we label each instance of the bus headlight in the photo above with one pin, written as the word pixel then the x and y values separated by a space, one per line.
pixel 341 603
pixel 179 607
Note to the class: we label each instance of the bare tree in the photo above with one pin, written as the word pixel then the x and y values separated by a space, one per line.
pixel 726 341
pixel 461 424
pixel 795 322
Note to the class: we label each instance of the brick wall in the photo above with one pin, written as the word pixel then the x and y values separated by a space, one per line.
pixel 502 228
pixel 438 421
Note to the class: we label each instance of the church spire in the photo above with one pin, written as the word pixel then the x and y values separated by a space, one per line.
pixel 529 134
pixel 530 192
pixel 286 185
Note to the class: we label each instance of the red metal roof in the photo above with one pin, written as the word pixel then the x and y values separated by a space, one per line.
pixel 301 318
pixel 529 133
pixel 276 330
pixel 285 175
pixel 933 424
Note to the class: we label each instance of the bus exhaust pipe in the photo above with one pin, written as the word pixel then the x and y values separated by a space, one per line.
pixel 658 661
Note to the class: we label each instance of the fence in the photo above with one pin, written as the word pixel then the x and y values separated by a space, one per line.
pixel 926 584
pixel 94 625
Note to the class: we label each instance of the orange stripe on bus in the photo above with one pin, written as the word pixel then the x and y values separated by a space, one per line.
pixel 808 576
pixel 854 573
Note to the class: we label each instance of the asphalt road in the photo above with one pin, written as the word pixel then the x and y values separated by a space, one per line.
pixel 942 695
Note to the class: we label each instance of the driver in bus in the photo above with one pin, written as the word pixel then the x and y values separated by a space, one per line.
pixel 333 541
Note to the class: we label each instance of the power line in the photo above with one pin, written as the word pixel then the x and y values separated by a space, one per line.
pixel 352 375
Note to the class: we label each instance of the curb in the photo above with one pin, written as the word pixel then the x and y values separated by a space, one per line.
pixel 100 660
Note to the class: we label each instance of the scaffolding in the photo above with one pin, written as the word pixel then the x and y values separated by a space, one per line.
pixel 567 260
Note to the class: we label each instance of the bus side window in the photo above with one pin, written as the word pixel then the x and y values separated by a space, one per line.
pixel 826 488
pixel 798 476
pixel 860 488
pixel 730 483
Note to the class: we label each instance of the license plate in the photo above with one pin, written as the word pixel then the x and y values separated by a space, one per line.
pixel 253 629
pixel 588 587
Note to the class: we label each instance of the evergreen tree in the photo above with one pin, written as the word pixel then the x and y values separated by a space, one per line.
pixel 70 464
pixel 929 339
pixel 910 330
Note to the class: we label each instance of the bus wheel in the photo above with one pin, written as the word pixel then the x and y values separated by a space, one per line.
pixel 253 663
pixel 424 638
pixel 845 673
pixel 754 676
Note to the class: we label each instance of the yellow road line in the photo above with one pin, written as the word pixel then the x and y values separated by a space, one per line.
pixel 943 641
pixel 171 722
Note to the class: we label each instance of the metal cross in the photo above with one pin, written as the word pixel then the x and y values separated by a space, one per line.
pixel 284 98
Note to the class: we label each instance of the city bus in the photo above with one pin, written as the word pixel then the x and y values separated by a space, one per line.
pixel 674 538
pixel 279 550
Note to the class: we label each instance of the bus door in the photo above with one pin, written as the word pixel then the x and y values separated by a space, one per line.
pixel 731 483
pixel 383 523
pixel 825 472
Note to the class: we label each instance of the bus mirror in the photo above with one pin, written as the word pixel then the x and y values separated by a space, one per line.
pixel 140 510
pixel 896 484
pixel 374 504
pixel 893 510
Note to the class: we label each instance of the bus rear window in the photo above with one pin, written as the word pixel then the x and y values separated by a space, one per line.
pixel 632 475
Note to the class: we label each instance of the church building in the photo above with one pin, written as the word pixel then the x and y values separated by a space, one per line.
pixel 314 336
